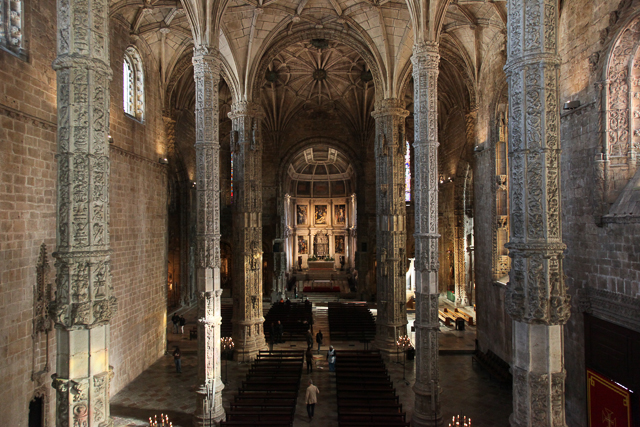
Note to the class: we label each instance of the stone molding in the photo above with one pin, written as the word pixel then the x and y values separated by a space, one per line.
pixel 613 307
pixel 7 111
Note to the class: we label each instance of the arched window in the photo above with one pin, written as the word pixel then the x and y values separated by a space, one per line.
pixel 133 84
pixel 11 23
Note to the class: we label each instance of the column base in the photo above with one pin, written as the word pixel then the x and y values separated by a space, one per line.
pixel 206 418
pixel 248 353
pixel 426 420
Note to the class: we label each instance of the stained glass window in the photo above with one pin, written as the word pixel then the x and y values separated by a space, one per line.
pixel 407 174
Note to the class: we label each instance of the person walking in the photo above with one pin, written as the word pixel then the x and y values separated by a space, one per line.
pixel 331 357
pixel 279 332
pixel 183 322
pixel 175 320
pixel 311 399
pixel 176 359
pixel 319 338
pixel 309 357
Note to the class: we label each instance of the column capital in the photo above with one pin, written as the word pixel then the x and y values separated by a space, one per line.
pixel 206 62
pixel 245 108
pixel 389 107
pixel 426 55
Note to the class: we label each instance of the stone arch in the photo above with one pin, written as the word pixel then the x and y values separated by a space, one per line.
pixel 619 119
pixel 309 142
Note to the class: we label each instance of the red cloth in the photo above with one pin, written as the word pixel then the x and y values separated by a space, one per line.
pixel 609 403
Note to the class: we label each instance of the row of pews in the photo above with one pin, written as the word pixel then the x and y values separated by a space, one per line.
pixel 351 321
pixel 447 316
pixel 294 317
pixel 269 394
pixel 366 396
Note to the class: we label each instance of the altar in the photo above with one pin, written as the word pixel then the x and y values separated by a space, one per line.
pixel 321 265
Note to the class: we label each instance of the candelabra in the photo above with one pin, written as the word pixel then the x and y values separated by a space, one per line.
pixel 404 343
pixel 164 421
pixel 460 422
pixel 227 345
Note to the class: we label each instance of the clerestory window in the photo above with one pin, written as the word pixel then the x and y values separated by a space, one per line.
pixel 133 84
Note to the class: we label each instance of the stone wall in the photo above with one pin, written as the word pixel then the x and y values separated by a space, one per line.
pixel 138 198
pixel 28 119
pixel 27 210
pixel 604 257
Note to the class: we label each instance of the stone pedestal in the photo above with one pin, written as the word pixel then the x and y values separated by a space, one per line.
pixel 536 298
pixel 206 65
pixel 390 150
pixel 246 146
pixel 425 60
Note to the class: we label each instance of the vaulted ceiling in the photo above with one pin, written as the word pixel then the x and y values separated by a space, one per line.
pixel 318 54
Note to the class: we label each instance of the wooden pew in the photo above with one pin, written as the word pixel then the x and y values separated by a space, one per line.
pixel 465 316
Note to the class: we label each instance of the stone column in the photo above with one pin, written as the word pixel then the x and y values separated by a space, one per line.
pixel 246 144
pixel 206 68
pixel 85 301
pixel 536 297
pixel 391 228
pixel 425 61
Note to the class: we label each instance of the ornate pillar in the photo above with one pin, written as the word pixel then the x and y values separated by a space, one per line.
pixel 84 303
pixel 246 145
pixel 425 61
pixel 206 69
pixel 390 150
pixel 536 298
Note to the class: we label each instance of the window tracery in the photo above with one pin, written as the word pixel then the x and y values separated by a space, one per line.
pixel 133 84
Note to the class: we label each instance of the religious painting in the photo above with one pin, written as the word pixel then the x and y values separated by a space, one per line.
pixel 340 214
pixel 321 214
pixel 339 244
pixel 608 402
pixel 304 188
pixel 301 214
pixel 321 189
pixel 302 245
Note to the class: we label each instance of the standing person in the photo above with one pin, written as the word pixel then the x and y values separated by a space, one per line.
pixel 279 332
pixel 311 399
pixel 175 319
pixel 309 339
pixel 331 357
pixel 309 356
pixel 319 338
pixel 183 322
pixel 176 358
pixel 311 323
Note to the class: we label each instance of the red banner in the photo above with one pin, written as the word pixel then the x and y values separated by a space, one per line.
pixel 609 402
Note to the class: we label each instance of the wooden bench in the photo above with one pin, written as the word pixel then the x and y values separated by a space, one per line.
pixel 463 315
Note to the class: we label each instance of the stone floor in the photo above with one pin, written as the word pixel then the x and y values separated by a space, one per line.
pixel 465 388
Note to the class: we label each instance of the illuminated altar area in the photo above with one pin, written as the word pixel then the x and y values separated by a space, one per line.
pixel 320 211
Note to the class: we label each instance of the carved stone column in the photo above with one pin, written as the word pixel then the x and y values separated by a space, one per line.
pixel 206 68
pixel 425 61
pixel 390 149
pixel 84 303
pixel 536 298
pixel 246 145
